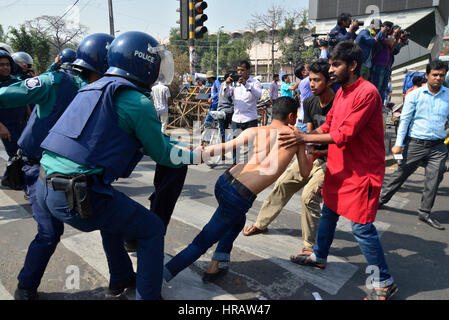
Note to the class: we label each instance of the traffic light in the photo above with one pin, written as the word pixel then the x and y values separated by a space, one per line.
pixel 199 18
pixel 184 18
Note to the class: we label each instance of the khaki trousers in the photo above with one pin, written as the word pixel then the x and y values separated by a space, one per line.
pixel 286 186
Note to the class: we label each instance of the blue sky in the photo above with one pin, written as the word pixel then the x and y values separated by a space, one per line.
pixel 155 17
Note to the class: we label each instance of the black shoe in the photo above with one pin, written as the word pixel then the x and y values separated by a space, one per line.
pixel 131 245
pixel 211 277
pixel 117 288
pixel 430 221
pixel 25 294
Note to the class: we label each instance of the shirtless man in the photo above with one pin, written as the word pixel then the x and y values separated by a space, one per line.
pixel 238 187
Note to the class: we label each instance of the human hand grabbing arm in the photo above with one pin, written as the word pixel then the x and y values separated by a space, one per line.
pixel 4 132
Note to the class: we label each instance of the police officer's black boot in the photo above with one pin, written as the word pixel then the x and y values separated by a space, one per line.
pixel 117 288
pixel 25 294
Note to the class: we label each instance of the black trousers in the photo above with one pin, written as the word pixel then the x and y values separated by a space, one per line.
pixel 168 183
pixel 433 159
pixel 237 129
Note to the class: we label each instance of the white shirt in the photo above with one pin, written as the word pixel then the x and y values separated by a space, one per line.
pixel 160 95
pixel 245 100
pixel 274 90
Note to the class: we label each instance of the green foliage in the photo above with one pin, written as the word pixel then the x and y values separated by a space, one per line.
pixel 230 52
pixel 34 44
pixel 2 34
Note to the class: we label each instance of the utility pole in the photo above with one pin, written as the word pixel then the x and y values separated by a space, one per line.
pixel 218 48
pixel 111 19
pixel 192 39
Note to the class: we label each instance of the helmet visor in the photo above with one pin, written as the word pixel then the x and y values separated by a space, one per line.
pixel 167 68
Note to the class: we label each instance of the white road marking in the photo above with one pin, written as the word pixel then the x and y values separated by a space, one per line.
pixel 189 285
pixel 9 210
pixel 4 294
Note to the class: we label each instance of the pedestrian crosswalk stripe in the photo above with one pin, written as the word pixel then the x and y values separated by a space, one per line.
pixel 9 210
pixel 4 294
pixel 89 247
pixel 275 247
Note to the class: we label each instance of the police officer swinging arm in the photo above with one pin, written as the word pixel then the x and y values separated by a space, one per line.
pixel 111 123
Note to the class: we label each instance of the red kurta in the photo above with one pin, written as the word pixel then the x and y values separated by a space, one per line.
pixel 356 162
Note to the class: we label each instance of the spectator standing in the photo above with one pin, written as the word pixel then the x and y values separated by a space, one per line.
pixel 304 92
pixel 287 88
pixel 161 101
pixel 420 138
pixel 245 93
pixel 274 88
pixel 366 39
pixel 344 22
pixel 226 104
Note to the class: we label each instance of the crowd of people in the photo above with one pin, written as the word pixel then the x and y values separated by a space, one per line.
pixel 94 114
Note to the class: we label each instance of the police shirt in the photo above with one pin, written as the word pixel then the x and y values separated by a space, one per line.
pixel 136 116
pixel 41 90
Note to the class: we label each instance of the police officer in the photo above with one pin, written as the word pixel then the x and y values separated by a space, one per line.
pixel 101 137
pixel 6 47
pixel 25 65
pixel 12 121
pixel 64 60
pixel 52 92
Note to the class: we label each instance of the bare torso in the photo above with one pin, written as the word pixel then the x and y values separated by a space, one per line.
pixel 266 160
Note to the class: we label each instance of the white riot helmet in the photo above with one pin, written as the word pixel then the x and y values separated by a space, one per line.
pixel 23 59
pixel 7 48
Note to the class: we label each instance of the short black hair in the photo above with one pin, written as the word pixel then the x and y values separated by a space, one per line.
pixel 417 80
pixel 283 106
pixel 348 51
pixel 436 65
pixel 275 76
pixel 284 77
pixel 246 64
pixel 321 66
pixel 388 24
pixel 343 17
pixel 299 69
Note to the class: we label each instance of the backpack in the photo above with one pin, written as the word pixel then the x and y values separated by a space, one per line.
pixel 408 80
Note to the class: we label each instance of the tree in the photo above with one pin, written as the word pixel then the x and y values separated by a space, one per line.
pixel 34 44
pixel 58 31
pixel 2 34
pixel 293 47
pixel 270 21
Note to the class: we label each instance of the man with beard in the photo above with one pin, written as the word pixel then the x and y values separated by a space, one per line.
pixel 355 166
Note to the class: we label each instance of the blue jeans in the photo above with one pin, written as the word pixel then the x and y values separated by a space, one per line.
pixel 224 227
pixel 367 237
pixel 117 217
pixel 209 118
pixel 378 79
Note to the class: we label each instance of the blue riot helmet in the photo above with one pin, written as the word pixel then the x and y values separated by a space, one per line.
pixel 67 56
pixel 5 54
pixel 92 53
pixel 138 57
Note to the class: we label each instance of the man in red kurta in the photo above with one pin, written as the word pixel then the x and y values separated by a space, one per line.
pixel 355 166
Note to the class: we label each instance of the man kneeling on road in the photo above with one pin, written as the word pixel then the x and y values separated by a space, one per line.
pixel 238 187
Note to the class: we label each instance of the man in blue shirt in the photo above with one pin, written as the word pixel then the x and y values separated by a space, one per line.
pixel 287 88
pixel 366 39
pixel 345 21
pixel 421 140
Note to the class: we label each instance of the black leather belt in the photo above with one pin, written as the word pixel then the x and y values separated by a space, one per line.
pixel 427 143
pixel 43 177
pixel 244 191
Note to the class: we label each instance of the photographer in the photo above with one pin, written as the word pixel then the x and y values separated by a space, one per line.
pixel 345 21
pixel 245 92
pixel 366 39
pixel 382 55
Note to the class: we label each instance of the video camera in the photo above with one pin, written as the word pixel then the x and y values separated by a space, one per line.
pixel 402 34
pixel 331 40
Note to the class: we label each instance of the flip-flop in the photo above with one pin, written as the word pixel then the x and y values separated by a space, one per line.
pixel 305 260
pixel 306 251
pixel 253 230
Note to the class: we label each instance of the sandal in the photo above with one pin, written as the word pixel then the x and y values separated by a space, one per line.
pixel 211 277
pixel 382 294
pixel 253 230
pixel 305 260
